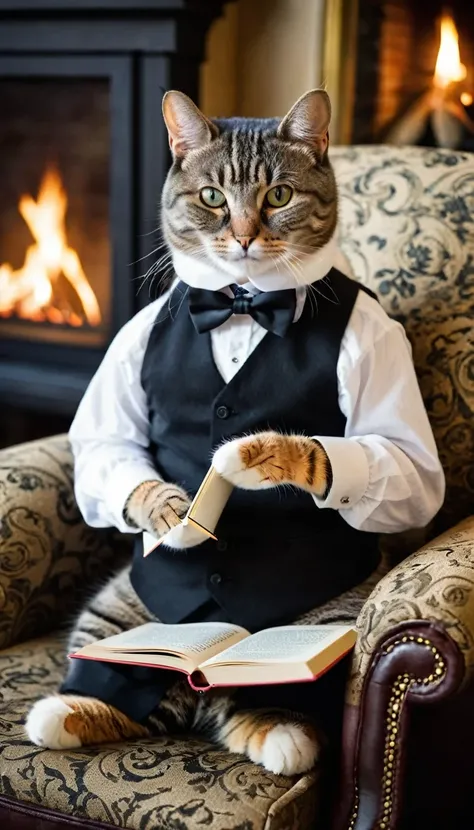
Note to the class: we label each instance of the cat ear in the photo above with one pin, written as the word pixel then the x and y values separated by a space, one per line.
pixel 188 129
pixel 308 120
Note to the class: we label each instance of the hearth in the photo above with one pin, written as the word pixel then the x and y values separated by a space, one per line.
pixel 83 155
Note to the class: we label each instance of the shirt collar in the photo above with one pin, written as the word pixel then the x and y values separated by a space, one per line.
pixel 202 274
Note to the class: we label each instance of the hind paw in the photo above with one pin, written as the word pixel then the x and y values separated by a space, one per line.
pixel 287 749
pixel 45 724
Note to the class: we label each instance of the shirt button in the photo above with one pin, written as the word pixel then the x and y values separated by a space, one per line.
pixel 221 545
pixel 345 500
pixel 215 579
pixel 235 360
pixel 223 412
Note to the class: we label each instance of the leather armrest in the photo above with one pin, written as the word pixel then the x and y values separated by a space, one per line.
pixel 47 552
pixel 435 584
pixel 416 647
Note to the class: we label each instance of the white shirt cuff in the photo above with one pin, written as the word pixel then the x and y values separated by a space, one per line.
pixel 350 472
pixel 124 480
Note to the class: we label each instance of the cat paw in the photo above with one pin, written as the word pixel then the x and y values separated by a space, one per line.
pixel 232 460
pixel 287 750
pixel 45 724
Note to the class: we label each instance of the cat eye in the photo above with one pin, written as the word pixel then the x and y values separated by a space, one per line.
pixel 279 196
pixel 211 197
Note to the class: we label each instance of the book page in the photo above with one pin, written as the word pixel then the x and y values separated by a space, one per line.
pixel 210 500
pixel 186 638
pixel 285 644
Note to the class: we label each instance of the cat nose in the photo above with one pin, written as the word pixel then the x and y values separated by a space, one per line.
pixel 245 241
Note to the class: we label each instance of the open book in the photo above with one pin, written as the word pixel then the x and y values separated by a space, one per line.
pixel 220 654
pixel 202 516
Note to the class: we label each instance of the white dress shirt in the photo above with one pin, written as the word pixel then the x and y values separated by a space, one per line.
pixel 386 472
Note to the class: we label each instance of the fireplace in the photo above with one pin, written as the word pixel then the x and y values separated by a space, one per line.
pixel 398 62
pixel 83 155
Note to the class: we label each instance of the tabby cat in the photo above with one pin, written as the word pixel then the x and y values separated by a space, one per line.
pixel 270 199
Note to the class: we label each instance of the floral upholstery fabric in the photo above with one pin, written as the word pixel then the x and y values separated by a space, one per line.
pixel 175 783
pixel 407 230
pixel 435 584
pixel 47 552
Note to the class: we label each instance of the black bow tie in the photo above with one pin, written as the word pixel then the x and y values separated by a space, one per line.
pixel 273 310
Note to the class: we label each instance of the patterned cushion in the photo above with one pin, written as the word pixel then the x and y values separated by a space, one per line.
pixel 48 554
pixel 407 230
pixel 169 782
pixel 435 584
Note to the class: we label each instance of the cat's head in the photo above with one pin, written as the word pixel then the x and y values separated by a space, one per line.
pixel 249 196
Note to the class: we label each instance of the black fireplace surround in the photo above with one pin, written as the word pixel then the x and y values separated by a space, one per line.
pixel 142 48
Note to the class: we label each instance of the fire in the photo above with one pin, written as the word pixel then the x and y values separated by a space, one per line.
pixel 448 64
pixel 33 292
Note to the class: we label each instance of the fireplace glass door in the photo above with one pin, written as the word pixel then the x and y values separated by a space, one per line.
pixel 55 250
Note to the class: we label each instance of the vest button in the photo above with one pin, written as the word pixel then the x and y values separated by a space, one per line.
pixel 223 412
pixel 215 579
pixel 221 545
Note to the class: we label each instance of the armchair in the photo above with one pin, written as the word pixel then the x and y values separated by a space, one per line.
pixel 407 230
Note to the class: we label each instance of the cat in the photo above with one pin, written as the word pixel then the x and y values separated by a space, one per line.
pixel 293 214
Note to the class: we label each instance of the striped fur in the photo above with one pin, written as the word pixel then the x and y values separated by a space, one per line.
pixel 156 507
pixel 244 159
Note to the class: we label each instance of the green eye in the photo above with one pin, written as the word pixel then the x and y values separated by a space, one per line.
pixel 279 196
pixel 211 197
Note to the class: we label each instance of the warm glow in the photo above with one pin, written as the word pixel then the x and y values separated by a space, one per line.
pixel 448 64
pixel 466 99
pixel 32 292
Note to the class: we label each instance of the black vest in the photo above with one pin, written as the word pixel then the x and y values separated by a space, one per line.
pixel 278 555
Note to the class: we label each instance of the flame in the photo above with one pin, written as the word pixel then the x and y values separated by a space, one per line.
pixel 29 292
pixel 448 63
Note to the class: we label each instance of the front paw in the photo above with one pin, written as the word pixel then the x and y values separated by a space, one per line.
pixel 246 463
pixel 269 459
pixel 157 507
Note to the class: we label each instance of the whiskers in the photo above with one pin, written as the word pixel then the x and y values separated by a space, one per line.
pixel 292 258
pixel 158 273
pixel 159 269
